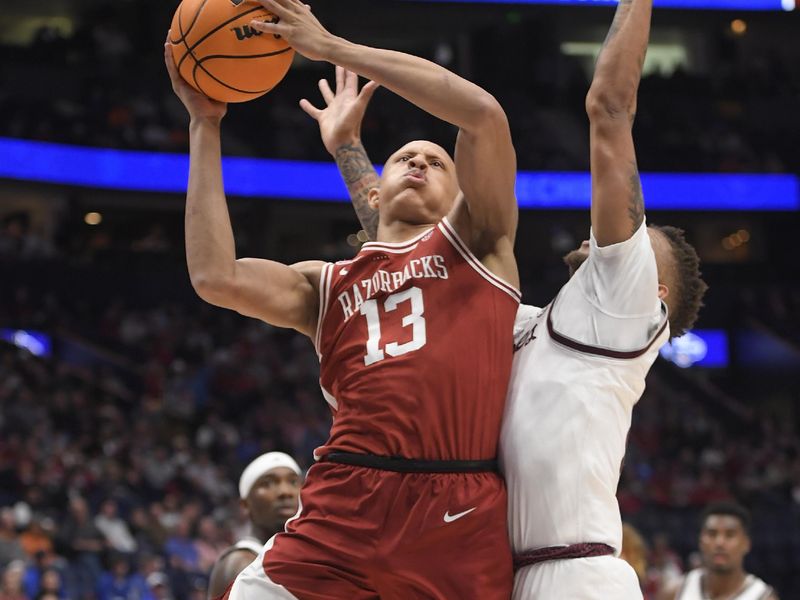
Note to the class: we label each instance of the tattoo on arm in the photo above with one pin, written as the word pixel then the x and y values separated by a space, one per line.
pixel 636 202
pixel 360 177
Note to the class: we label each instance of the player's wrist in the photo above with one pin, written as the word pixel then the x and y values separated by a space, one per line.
pixel 205 122
pixel 346 145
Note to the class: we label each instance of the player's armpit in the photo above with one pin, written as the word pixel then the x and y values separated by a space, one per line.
pixel 281 295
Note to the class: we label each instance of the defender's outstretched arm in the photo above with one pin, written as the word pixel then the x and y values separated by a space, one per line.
pixel 617 202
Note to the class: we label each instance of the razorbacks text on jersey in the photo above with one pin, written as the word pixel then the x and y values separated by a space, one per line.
pixel 415 347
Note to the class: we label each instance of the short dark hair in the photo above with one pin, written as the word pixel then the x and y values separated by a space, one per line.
pixel 688 298
pixel 728 509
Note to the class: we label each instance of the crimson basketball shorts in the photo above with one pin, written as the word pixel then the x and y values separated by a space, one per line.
pixel 367 533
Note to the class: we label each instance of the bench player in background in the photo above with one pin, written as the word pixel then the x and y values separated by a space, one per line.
pixel 269 490
pixel 405 500
pixel 724 542
pixel 581 362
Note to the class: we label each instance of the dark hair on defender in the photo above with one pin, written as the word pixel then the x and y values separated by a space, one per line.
pixel 729 509
pixel 691 287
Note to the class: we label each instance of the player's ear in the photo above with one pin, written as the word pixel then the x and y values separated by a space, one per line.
pixel 373 198
pixel 244 507
pixel 663 291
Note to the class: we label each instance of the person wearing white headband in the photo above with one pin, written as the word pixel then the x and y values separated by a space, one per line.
pixel 269 489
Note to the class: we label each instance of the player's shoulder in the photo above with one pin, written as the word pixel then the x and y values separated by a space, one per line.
pixel 526 315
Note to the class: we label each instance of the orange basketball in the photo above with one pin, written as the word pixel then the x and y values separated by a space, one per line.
pixel 220 55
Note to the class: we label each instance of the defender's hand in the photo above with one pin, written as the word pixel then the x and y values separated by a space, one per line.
pixel 298 26
pixel 340 122
pixel 199 105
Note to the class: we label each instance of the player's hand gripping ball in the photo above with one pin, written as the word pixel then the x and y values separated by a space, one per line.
pixel 218 52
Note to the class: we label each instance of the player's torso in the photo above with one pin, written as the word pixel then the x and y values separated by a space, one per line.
pixel 563 439
pixel 415 346
pixel 692 588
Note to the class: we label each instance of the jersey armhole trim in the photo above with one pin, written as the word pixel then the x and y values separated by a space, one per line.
pixel 325 276
pixel 599 350
pixel 450 233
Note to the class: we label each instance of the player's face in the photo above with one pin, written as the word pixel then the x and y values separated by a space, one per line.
pixel 418 184
pixel 723 543
pixel 273 498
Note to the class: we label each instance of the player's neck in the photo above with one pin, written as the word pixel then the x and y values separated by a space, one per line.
pixel 722 586
pixel 399 231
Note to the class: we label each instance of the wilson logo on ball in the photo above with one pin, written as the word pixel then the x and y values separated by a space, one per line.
pixel 244 32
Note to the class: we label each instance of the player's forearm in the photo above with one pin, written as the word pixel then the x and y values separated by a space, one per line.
pixel 210 248
pixel 360 177
pixel 618 71
pixel 432 88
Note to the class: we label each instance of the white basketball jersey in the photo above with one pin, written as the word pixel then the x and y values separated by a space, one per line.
pixel 579 369
pixel 692 588
pixel 249 543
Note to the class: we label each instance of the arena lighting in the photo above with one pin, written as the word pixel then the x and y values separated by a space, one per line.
pixel 259 178
pixel 695 4
pixel 35 342
pixel 698 348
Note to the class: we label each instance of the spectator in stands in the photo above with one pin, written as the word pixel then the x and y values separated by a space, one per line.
pixel 114 528
pixel 84 544
pixel 11 582
pixel 119 583
pixel 10 547
pixel 634 552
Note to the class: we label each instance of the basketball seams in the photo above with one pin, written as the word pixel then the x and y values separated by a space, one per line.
pixel 222 83
pixel 198 64
pixel 194 20
pixel 212 32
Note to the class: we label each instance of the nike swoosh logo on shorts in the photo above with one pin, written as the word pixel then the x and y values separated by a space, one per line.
pixel 448 518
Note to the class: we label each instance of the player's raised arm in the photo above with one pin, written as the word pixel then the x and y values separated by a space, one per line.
pixel 617 202
pixel 281 295
pixel 485 157
pixel 340 128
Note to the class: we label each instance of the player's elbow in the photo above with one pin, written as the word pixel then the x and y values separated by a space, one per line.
pixel 488 115
pixel 607 103
pixel 214 289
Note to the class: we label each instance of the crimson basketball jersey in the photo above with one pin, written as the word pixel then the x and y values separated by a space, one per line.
pixel 415 341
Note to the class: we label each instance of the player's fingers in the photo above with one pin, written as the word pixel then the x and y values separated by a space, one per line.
pixel 311 110
pixel 327 93
pixel 367 92
pixel 276 7
pixel 340 79
pixel 351 82
pixel 267 27
pixel 170 62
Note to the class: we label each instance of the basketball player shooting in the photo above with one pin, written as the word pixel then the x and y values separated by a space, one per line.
pixel 404 500
pixel 581 362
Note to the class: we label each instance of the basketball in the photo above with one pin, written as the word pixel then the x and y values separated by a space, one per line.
pixel 220 55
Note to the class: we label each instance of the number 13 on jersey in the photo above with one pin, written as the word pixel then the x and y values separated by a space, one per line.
pixel 413 319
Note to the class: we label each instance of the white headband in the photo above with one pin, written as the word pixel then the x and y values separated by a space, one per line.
pixel 261 465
